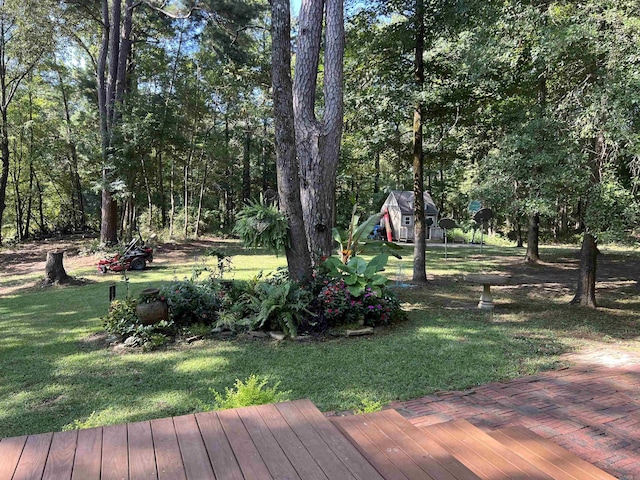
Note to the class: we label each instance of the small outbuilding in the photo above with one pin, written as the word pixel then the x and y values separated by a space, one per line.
pixel 399 206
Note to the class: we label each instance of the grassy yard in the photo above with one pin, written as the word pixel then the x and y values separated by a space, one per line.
pixel 52 373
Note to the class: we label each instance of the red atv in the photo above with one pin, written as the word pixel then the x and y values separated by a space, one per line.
pixel 134 257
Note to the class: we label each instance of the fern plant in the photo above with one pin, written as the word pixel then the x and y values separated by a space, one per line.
pixel 279 305
pixel 261 225
pixel 253 391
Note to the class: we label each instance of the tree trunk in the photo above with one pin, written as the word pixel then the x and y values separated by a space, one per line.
pixel 4 175
pixel 54 269
pixel 77 199
pixel 586 290
pixel 420 230
pixel 318 142
pixel 114 53
pixel 246 167
pixel 109 212
pixel 200 197
pixel 297 252
pixel 533 240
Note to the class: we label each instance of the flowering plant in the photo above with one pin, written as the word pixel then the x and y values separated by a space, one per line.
pixel 372 308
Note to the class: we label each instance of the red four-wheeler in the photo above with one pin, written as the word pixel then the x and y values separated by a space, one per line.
pixel 135 257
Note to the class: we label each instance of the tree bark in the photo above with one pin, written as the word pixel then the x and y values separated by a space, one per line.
pixel 54 268
pixel 318 142
pixel 297 252
pixel 420 230
pixel 112 65
pixel 246 167
pixel 533 240
pixel 586 289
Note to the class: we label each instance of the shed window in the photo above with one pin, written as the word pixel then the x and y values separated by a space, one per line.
pixel 407 220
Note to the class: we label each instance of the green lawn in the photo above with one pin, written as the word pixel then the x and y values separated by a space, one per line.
pixel 51 375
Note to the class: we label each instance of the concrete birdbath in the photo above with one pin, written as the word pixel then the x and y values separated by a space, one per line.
pixel 486 280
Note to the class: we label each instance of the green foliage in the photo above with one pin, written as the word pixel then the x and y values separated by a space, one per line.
pixel 91 421
pixel 121 319
pixel 351 242
pixel 191 302
pixel 281 305
pixel 261 225
pixel 358 274
pixel 253 391
pixel 368 406
pixel 612 212
pixel 340 307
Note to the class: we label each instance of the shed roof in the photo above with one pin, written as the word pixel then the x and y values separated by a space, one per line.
pixel 404 200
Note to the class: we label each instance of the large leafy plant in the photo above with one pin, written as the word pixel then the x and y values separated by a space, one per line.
pixel 353 241
pixel 358 274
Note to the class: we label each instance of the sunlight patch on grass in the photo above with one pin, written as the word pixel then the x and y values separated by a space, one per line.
pixel 201 365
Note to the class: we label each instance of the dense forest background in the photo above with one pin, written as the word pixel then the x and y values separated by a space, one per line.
pixel 530 107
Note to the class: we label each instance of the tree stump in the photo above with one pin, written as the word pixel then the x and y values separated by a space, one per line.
pixel 54 269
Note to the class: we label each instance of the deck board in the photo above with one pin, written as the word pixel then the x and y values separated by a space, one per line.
pixel 299 457
pixel 34 457
pixel 400 432
pixel 491 448
pixel 272 454
pixel 115 454
pixel 167 450
pixel 556 461
pixel 142 458
pixel 431 448
pixel 369 449
pixel 223 460
pixel 88 459
pixel 192 448
pixel 245 451
pixel 326 459
pixel 359 467
pixel 59 464
pixel 10 453
pixel 290 440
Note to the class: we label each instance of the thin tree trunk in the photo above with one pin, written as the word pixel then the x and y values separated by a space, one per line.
pixel 172 197
pixel 200 197
pixel 376 176
pixel 297 250
pixel 77 199
pixel 420 231
pixel 246 167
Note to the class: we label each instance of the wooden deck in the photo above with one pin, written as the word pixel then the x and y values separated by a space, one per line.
pixel 291 440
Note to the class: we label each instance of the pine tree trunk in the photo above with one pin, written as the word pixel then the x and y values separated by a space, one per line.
pixel 54 268
pixel 297 252
pixel 533 240
pixel 420 229
pixel 318 142
pixel 246 167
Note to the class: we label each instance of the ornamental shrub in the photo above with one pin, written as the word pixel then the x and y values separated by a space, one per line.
pixel 122 320
pixel 191 302
pixel 341 307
